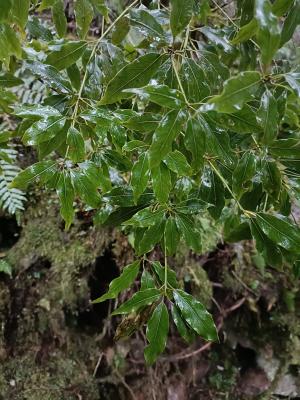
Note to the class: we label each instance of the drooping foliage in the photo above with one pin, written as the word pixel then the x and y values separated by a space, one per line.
pixel 173 111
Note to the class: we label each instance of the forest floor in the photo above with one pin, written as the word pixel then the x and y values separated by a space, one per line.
pixel 55 345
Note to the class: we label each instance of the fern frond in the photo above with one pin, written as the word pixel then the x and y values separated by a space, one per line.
pixel 11 200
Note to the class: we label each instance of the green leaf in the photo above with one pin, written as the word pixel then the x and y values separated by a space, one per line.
pixel 5 7
pixel 165 134
pixel 194 81
pixel 74 76
pixel 148 25
pixel 36 111
pixel 237 91
pixel 140 176
pixel 246 32
pixel 86 181
pixel 181 14
pixel 268 117
pixel 147 281
pixel 290 23
pixel 280 231
pixel 171 236
pixel 212 192
pixel 49 75
pixel 157 333
pixel 161 95
pixel 43 170
pixel 46 4
pixel 84 15
pixel 134 75
pixel 124 281
pixel 66 196
pixel 187 229
pixel 5 267
pixel 196 315
pixel 146 217
pixel 9 80
pixel 160 272
pixel 293 79
pixel 242 121
pixel 195 140
pixel 177 163
pixel 185 332
pixel 67 55
pixel 134 145
pixel 271 253
pixel 161 181
pixel 140 299
pixel 75 144
pixel 121 29
pixel 43 130
pixel 19 11
pixel 146 122
pixel 280 7
pixel 151 237
pixel 59 18
pixel 100 7
pixel 268 35
pixel 286 148
pixel 9 44
pixel 272 179
pixel 243 173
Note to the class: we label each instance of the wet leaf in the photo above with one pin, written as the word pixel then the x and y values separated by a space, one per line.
pixel 157 333
pixel 124 281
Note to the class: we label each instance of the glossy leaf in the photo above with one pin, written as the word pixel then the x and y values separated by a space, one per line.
pixel 177 163
pixel 187 229
pixel 43 130
pixel 246 32
pixel 19 11
pixel 237 91
pixel 280 231
pixel 161 181
pixel 195 140
pixel 280 7
pixel 134 75
pixel 66 196
pixel 185 332
pixel 161 95
pixel 147 281
pixel 75 142
pixel 59 18
pixel 165 134
pixel 140 176
pixel 290 23
pixel 268 117
pixel 157 333
pixel 43 171
pixel 50 75
pixel 124 281
pixel 181 14
pixel 146 217
pixel 84 14
pixel 9 80
pixel 243 173
pixel 196 315
pixel 171 236
pixel 5 7
pixel 68 54
pixel 151 237
pixel 160 272
pixel 268 35
pixel 140 299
